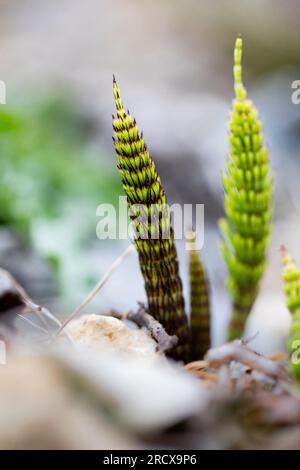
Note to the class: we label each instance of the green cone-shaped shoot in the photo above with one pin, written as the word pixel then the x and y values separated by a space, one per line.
pixel 157 257
pixel 247 203
pixel 200 307
pixel 291 286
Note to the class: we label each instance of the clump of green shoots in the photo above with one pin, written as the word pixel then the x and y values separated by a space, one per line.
pixel 245 227
pixel 247 203
pixel 157 253
pixel 200 305
pixel 291 286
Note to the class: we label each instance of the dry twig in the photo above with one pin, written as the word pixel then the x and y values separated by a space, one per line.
pixel 97 288
pixel 14 302
pixel 141 318
pixel 239 352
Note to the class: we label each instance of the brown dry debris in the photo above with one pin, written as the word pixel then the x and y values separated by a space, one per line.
pixel 165 342
pixel 251 394
pixel 242 399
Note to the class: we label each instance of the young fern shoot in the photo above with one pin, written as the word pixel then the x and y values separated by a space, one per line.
pixel 154 238
pixel 291 286
pixel 199 298
pixel 247 203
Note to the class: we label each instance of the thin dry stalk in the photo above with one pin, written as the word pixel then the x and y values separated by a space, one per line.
pixel 97 288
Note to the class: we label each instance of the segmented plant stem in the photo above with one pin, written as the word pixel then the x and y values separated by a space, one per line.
pixel 154 238
pixel 200 305
pixel 291 286
pixel 247 203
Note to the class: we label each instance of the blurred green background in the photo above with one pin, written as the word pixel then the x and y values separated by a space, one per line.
pixel 51 183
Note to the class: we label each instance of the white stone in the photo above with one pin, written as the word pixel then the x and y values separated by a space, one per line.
pixel 111 334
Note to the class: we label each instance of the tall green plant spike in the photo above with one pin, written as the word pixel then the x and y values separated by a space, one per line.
pixel 157 257
pixel 291 286
pixel 247 203
pixel 200 305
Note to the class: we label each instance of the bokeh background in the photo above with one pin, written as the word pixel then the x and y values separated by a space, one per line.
pixel 173 61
